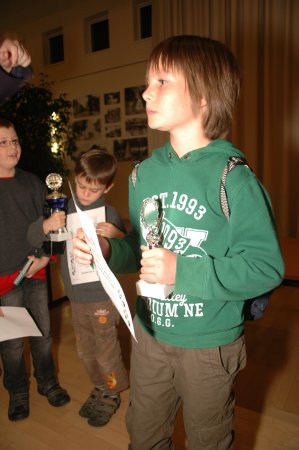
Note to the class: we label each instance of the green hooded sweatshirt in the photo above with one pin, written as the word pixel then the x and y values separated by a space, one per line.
pixel 220 263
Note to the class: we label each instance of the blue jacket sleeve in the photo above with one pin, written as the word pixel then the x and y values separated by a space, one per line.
pixel 10 83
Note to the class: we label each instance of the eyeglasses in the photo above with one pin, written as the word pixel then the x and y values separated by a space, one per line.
pixel 7 142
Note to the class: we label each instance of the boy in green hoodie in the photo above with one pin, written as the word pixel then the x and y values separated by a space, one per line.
pixel 191 345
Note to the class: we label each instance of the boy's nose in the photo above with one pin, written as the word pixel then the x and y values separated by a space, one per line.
pixel 146 95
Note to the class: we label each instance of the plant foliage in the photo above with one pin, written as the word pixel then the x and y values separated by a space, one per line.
pixel 40 121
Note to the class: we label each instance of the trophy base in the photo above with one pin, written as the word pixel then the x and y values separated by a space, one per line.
pixel 60 237
pixel 155 290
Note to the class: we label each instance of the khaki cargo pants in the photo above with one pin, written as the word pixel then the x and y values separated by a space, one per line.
pixel 95 327
pixel 162 376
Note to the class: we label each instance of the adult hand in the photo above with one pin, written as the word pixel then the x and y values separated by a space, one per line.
pixel 158 265
pixel 12 54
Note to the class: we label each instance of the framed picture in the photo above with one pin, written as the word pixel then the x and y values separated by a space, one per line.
pixel 87 129
pixel 112 98
pixel 135 149
pixel 136 126
pixel 120 125
pixel 112 131
pixel 86 105
pixel 134 103
pixel 113 115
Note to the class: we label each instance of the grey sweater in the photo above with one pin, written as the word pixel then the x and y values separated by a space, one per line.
pixel 21 205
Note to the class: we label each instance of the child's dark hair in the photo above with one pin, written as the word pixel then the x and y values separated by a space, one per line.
pixel 211 72
pixel 4 123
pixel 97 166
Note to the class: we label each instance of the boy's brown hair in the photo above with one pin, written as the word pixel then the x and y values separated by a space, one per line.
pixel 97 166
pixel 211 72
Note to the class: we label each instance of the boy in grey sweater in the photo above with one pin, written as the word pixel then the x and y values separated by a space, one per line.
pixel 94 316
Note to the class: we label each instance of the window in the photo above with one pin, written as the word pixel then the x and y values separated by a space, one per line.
pixel 142 19
pixel 97 33
pixel 53 46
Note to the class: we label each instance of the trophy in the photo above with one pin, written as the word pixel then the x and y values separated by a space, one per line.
pixel 56 201
pixel 151 218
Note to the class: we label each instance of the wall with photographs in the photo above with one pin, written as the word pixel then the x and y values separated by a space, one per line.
pixel 115 120
pixel 104 87
pixel 111 115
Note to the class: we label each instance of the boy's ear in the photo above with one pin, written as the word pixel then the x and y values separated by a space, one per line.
pixel 203 102
pixel 108 188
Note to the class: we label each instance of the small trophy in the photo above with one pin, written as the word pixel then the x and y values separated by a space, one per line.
pixel 57 201
pixel 151 218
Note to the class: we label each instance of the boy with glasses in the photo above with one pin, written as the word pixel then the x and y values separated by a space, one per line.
pixel 22 197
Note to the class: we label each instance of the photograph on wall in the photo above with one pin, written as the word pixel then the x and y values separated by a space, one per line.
pixel 134 103
pixel 112 115
pixel 111 98
pixel 87 129
pixel 113 131
pixel 136 126
pixel 120 149
pixel 86 105
pixel 135 149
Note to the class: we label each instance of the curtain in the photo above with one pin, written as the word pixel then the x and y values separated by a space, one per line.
pixel 264 36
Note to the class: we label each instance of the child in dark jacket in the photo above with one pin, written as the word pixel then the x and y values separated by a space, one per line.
pixel 22 197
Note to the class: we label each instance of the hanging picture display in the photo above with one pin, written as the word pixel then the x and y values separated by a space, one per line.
pixel 113 120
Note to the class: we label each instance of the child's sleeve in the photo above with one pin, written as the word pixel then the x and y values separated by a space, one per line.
pixel 11 83
pixel 251 263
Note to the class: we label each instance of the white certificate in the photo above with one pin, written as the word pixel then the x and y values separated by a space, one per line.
pixel 106 276
pixel 80 274
pixel 16 322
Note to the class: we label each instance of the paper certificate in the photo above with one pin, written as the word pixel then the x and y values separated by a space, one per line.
pixel 80 274
pixel 106 276
pixel 16 322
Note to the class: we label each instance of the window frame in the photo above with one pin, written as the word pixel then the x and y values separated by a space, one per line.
pixel 47 53
pixel 138 5
pixel 88 23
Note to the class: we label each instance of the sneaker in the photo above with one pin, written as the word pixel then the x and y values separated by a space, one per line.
pixel 18 406
pixel 56 395
pixel 88 407
pixel 104 410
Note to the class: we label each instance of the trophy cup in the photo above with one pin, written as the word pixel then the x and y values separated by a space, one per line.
pixel 56 201
pixel 151 218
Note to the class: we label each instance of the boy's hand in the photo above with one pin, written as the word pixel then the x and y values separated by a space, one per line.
pixel 108 230
pixel 158 265
pixel 12 54
pixel 38 264
pixel 81 249
pixel 55 222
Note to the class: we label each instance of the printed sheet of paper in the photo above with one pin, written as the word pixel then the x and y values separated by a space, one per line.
pixel 16 322
pixel 107 277
pixel 80 274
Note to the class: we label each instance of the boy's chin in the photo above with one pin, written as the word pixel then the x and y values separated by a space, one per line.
pixel 84 202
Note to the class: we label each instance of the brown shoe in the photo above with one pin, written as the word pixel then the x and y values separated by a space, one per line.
pixel 18 406
pixel 56 395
